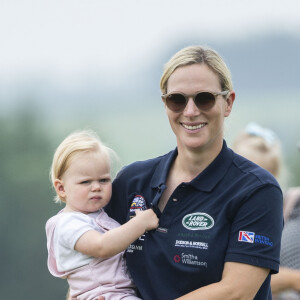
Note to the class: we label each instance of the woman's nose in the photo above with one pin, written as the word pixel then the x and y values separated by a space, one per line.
pixel 191 109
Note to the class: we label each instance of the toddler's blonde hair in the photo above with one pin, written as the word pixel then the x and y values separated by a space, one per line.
pixel 76 143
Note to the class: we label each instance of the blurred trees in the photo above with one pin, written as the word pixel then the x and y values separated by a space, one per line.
pixel 26 203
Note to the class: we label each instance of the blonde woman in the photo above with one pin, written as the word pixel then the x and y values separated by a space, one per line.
pixel 220 214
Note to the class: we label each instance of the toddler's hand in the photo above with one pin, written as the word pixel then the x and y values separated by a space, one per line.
pixel 149 218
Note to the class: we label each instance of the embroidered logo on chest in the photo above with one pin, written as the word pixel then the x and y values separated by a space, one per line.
pixel 138 203
pixel 198 221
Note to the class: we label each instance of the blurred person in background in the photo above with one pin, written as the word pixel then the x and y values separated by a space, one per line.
pixel 220 215
pixel 263 147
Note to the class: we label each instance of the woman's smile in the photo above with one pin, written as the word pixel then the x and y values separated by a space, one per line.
pixel 192 126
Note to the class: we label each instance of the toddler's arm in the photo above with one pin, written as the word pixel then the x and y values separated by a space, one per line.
pixel 114 241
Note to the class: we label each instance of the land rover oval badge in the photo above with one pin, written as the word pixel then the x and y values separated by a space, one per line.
pixel 198 221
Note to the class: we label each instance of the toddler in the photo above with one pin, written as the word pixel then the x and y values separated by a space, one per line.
pixel 85 246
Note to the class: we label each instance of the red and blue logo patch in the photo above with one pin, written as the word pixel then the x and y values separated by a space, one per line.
pixel 251 237
pixel 246 236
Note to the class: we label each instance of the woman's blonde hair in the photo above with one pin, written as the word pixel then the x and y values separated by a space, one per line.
pixel 197 55
pixel 76 143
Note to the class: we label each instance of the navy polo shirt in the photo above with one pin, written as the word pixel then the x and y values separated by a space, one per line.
pixel 232 211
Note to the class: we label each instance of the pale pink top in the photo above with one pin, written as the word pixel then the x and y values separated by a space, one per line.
pixel 106 277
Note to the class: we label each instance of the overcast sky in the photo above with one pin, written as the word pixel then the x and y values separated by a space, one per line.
pixel 71 36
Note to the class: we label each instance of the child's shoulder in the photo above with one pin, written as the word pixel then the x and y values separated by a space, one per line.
pixel 64 218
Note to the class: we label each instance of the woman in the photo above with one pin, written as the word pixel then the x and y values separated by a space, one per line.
pixel 220 215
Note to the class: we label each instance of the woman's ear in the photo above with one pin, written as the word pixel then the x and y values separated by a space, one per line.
pixel 59 188
pixel 165 105
pixel 229 103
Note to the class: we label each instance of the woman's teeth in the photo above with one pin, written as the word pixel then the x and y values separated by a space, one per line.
pixel 193 127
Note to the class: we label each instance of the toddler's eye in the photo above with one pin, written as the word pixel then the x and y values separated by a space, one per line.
pixel 85 182
pixel 105 180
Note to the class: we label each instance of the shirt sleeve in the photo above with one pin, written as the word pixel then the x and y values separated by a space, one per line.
pixel 71 227
pixel 256 229
pixel 118 206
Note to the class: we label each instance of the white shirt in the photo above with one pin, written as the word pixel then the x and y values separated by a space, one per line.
pixel 70 227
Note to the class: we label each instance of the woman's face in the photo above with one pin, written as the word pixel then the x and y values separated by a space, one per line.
pixel 195 129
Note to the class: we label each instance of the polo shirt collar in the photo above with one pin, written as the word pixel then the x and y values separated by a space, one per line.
pixel 206 180
pixel 160 175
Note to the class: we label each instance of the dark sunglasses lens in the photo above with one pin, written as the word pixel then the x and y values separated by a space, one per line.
pixel 205 100
pixel 176 102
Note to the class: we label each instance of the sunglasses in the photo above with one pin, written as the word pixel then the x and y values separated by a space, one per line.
pixel 203 100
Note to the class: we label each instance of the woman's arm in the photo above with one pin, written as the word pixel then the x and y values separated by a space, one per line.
pixel 110 243
pixel 239 281
pixel 286 279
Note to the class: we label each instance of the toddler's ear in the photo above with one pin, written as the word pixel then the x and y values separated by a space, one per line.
pixel 59 188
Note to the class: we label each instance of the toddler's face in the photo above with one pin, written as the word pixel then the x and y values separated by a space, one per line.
pixel 87 183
